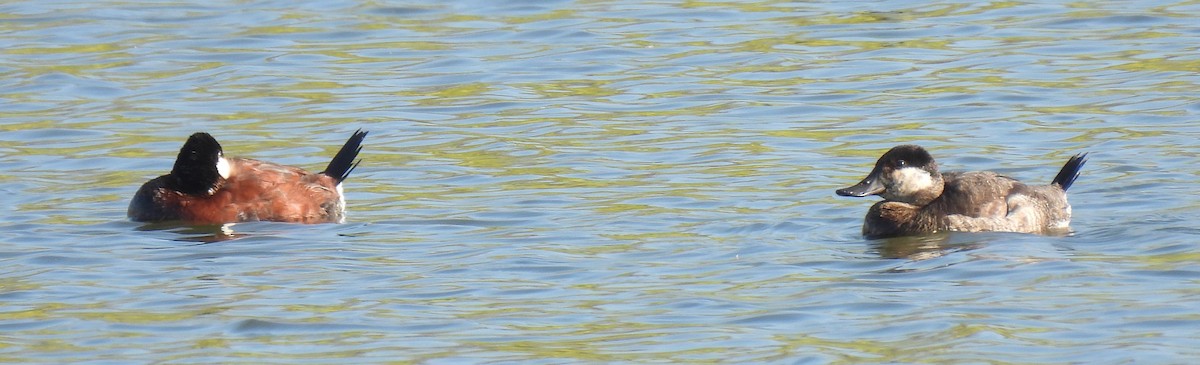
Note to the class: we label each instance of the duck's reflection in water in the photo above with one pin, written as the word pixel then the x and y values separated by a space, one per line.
pixel 196 233
pixel 923 247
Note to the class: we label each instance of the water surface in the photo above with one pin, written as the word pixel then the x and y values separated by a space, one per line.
pixel 584 182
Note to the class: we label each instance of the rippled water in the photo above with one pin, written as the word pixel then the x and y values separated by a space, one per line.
pixel 565 182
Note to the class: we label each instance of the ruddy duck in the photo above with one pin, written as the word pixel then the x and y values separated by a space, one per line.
pixel 918 199
pixel 204 187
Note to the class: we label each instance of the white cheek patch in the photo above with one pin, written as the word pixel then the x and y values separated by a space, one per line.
pixel 911 180
pixel 223 167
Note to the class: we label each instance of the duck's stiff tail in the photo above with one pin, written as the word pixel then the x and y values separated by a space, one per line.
pixel 1070 171
pixel 343 163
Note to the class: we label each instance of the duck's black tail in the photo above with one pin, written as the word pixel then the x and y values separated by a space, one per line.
pixel 343 163
pixel 1070 171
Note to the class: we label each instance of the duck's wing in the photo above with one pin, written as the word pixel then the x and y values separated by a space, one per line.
pixel 261 190
pixel 980 194
pixel 1000 203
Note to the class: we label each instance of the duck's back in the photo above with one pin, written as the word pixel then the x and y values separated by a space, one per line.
pixel 265 191
pixel 986 201
pixel 976 194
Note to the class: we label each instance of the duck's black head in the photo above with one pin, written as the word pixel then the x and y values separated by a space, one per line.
pixel 200 166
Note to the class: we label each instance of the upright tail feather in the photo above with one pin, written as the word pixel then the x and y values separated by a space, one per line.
pixel 1070 171
pixel 343 163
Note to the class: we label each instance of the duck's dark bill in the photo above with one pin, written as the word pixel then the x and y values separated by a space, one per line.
pixel 869 186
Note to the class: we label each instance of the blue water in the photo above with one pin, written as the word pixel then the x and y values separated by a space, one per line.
pixel 598 182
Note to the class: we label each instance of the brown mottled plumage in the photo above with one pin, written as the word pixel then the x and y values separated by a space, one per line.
pixel 206 188
pixel 918 199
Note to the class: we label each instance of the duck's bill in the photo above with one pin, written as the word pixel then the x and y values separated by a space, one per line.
pixel 868 186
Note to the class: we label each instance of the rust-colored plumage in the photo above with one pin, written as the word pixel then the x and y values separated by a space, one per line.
pixel 206 188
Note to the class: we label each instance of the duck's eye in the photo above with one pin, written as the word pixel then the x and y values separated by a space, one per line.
pixel 900 163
